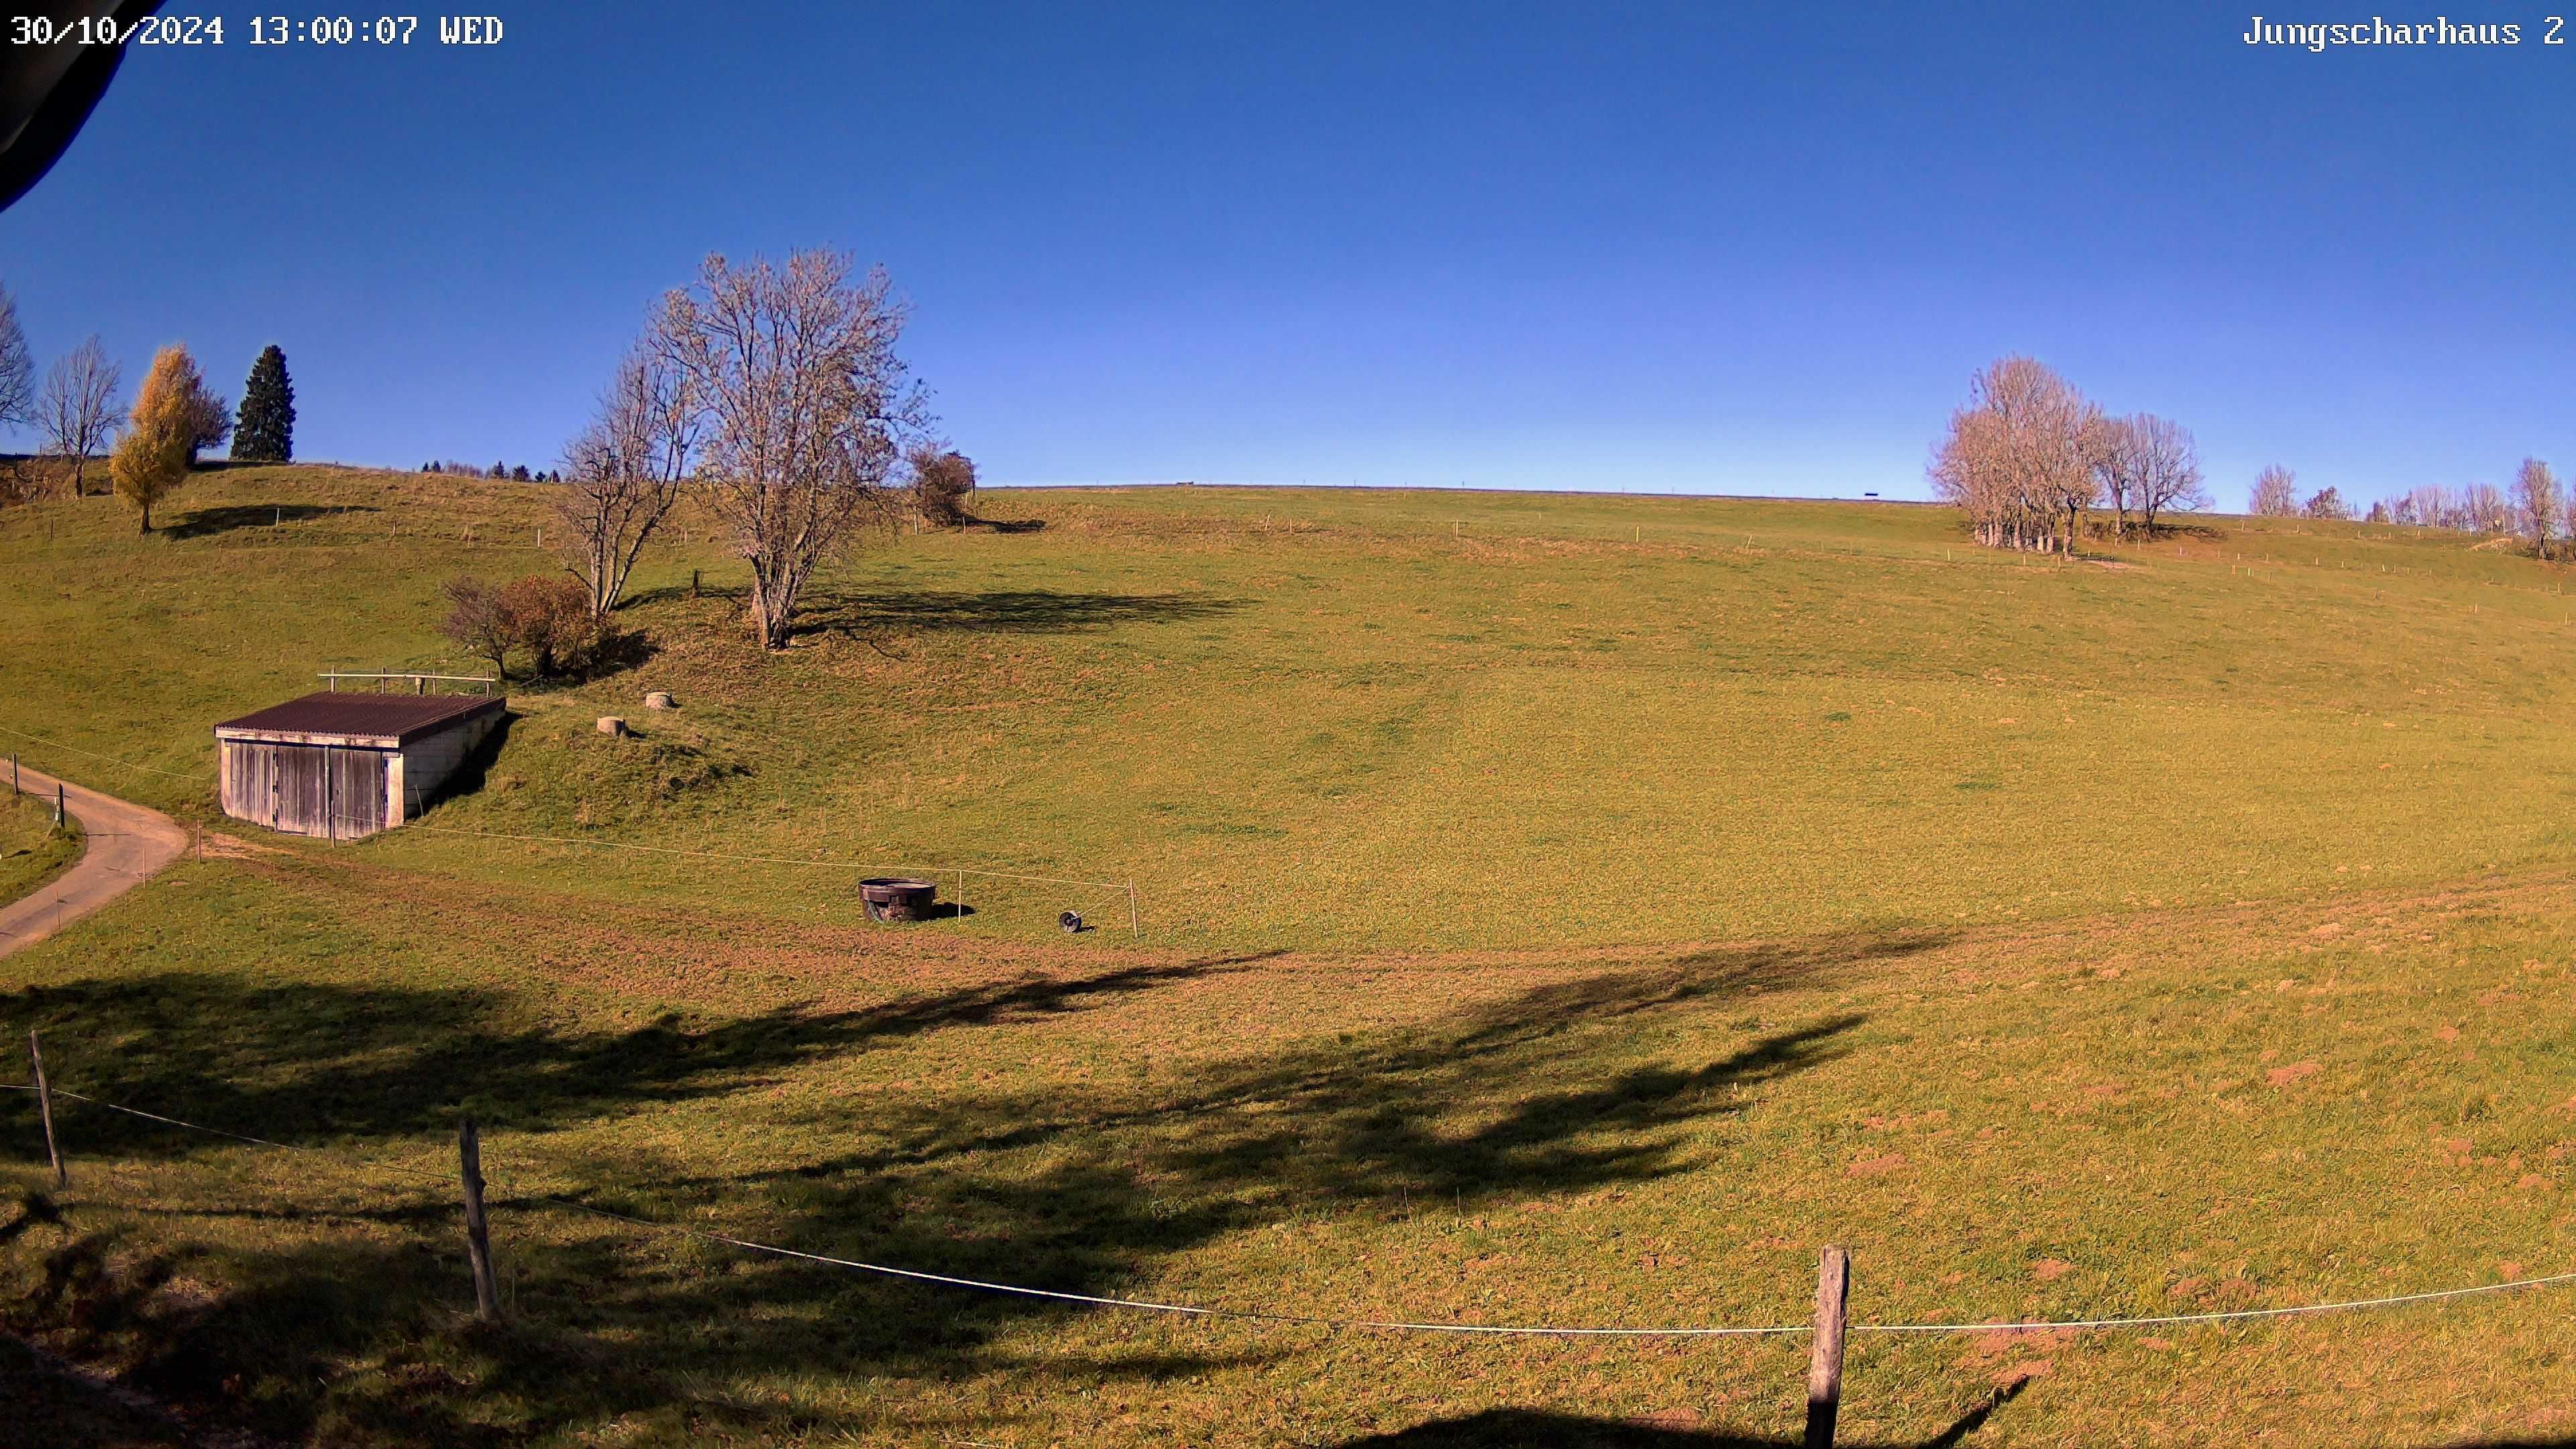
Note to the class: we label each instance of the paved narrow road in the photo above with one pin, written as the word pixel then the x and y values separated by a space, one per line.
pixel 127 846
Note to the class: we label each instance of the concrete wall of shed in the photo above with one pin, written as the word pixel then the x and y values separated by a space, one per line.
pixel 418 769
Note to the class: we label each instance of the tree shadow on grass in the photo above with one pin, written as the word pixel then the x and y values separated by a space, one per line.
pixel 1531 1429
pixel 1072 1186
pixel 203 522
pixel 1001 611
pixel 309 1060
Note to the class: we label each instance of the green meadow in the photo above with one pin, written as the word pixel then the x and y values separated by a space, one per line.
pixel 1551 909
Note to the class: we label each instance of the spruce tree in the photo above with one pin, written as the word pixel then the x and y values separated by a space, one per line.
pixel 265 432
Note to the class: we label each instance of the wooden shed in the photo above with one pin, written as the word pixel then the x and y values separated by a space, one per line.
pixel 343 766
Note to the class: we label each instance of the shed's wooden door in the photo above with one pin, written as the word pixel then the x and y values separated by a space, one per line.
pixel 304 789
pixel 250 782
pixel 356 782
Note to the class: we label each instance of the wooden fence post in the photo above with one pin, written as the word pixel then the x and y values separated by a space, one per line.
pixel 478 1241
pixel 45 1109
pixel 58 804
pixel 1825 1358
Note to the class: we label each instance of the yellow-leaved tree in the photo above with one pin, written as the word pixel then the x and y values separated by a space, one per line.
pixel 174 416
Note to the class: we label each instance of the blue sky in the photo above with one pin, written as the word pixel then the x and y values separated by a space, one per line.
pixel 1702 247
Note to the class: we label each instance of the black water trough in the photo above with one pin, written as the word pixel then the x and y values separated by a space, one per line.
pixel 898 898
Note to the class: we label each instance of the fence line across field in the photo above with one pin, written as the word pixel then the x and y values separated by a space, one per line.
pixel 1280 1316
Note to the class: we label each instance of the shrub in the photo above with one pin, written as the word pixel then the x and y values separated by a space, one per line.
pixel 549 618
pixel 942 482
pixel 475 623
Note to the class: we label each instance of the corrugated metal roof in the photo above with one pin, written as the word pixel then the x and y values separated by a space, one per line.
pixel 398 717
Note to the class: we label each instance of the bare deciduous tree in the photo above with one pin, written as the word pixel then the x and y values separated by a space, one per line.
pixel 2149 462
pixel 2111 449
pixel 17 370
pixel 2276 493
pixel 476 622
pixel 2483 509
pixel 625 471
pixel 2538 501
pixel 77 410
pixel 2017 459
pixel 2168 468
pixel 806 408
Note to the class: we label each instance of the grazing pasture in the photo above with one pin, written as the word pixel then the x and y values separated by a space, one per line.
pixel 32 850
pixel 1556 909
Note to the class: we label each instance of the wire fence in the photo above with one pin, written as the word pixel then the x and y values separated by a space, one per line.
pixel 1320 1320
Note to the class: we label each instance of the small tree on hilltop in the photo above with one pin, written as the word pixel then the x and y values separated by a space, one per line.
pixel 264 431
pixel 78 409
pixel 2326 502
pixel 2168 466
pixel 2537 498
pixel 170 418
pixel 942 481
pixel 2276 493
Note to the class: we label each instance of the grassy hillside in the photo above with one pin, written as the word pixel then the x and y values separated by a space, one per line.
pixel 1562 910
pixel 1396 719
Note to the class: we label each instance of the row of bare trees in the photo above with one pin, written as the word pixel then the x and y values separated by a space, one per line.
pixel 2028 456
pixel 775 395
pixel 2535 506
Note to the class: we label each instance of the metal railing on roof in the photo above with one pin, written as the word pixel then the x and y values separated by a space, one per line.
pixel 420 682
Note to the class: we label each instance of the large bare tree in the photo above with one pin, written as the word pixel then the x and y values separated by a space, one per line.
pixel 2017 459
pixel 77 411
pixel 624 472
pixel 806 409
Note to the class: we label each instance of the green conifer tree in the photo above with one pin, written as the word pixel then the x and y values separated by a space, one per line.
pixel 265 432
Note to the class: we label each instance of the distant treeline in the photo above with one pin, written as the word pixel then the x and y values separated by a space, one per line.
pixel 516 472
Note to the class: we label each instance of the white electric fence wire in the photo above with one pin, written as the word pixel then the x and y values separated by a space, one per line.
pixel 93 754
pixel 1255 1315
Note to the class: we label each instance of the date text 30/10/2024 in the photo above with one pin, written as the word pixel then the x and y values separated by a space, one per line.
pixel 263 30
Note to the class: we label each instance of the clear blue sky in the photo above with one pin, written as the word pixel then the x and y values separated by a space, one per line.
pixel 1707 246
